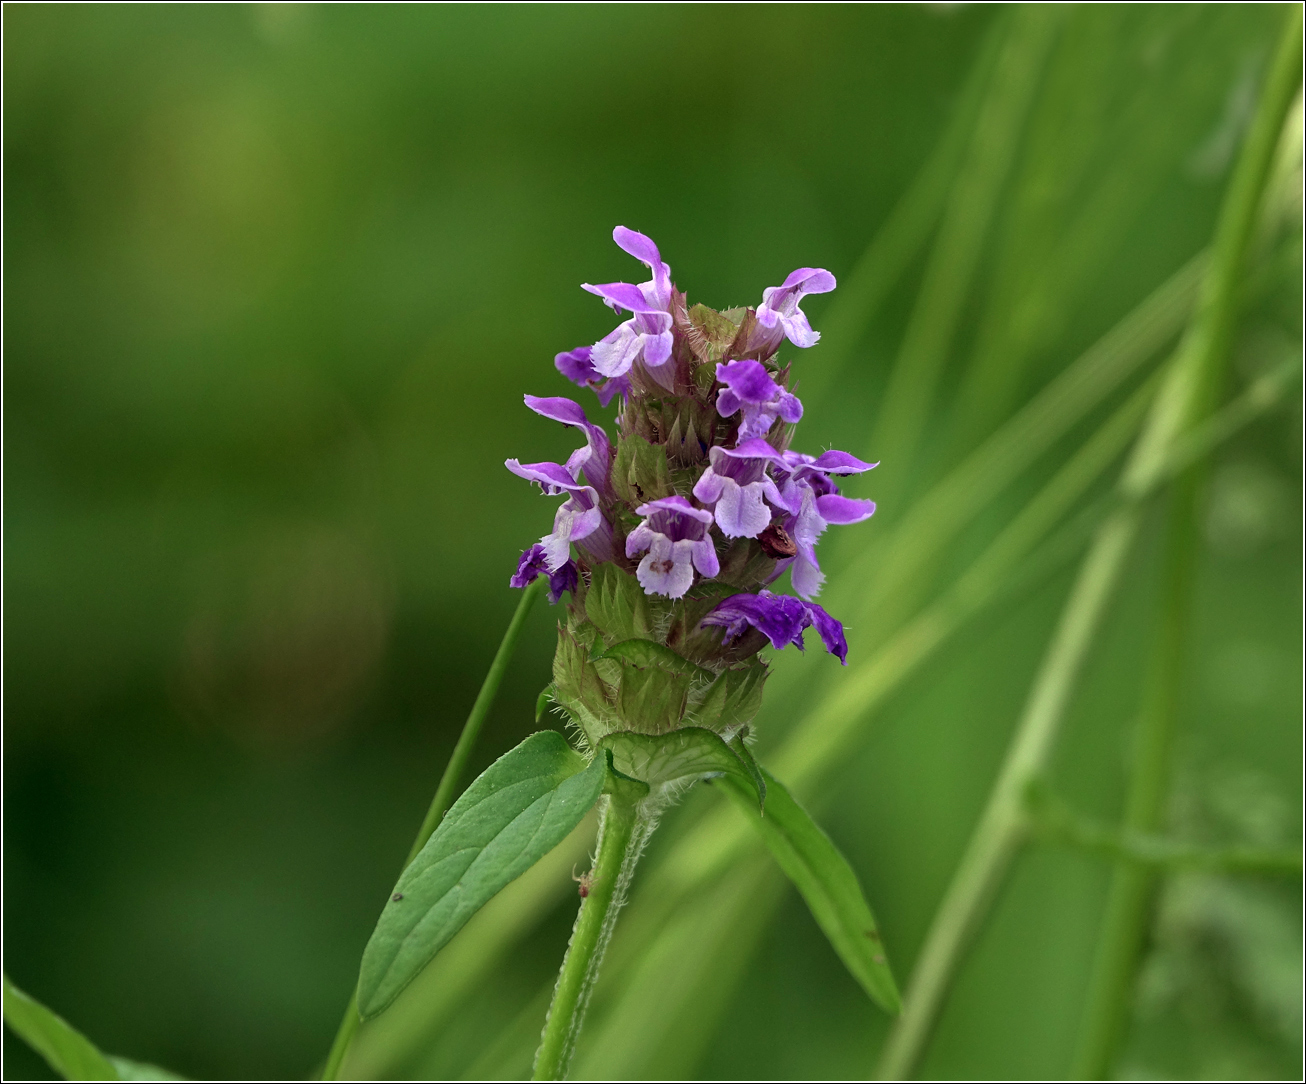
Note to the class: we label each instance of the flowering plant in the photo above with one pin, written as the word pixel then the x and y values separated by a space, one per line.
pixel 668 542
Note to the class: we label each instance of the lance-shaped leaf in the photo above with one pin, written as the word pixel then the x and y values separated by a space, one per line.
pixel 66 1049
pixel 688 753
pixel 826 881
pixel 516 811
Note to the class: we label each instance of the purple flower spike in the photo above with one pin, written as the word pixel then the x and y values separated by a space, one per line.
pixel 749 387
pixel 781 619
pixel 738 486
pixel 579 518
pixel 675 534
pixel 577 367
pixel 779 308
pixel 596 457
pixel 533 564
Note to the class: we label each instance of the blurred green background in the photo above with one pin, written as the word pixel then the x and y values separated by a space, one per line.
pixel 275 280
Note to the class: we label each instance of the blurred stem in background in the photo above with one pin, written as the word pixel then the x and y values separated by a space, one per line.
pixel 444 793
pixel 1192 381
pixel 1129 904
pixel 970 207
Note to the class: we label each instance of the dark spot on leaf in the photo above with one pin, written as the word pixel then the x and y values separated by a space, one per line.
pixel 397 897
pixel 874 935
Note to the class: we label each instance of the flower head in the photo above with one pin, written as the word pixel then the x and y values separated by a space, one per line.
pixel 680 522
pixel 674 533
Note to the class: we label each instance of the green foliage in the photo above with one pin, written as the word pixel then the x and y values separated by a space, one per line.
pixel 67 1050
pixel 640 472
pixel 826 882
pixel 617 605
pixel 686 754
pixel 516 811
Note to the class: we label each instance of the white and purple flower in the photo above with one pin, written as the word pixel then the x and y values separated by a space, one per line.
pixel 646 336
pixel 779 311
pixel 750 390
pixel 577 367
pixel 814 501
pixel 737 486
pixel 579 519
pixel 595 459
pixel 675 534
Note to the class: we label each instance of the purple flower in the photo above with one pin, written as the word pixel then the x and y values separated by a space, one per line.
pixel 578 520
pixel 749 388
pixel 646 336
pixel 577 367
pixel 779 309
pixel 596 457
pixel 814 500
pixel 533 564
pixel 781 619
pixel 737 485
pixel 675 533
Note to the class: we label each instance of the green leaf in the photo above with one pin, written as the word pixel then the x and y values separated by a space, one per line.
pixel 745 755
pixel 66 1049
pixel 141 1070
pixel 658 759
pixel 646 653
pixel 616 603
pixel 516 811
pixel 543 701
pixel 826 881
pixel 640 472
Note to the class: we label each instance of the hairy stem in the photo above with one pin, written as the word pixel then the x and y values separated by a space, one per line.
pixel 1191 380
pixel 444 793
pixel 623 832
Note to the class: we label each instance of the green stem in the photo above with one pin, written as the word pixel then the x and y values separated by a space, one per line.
pixel 621 838
pixel 1053 821
pixel 1133 885
pixel 1191 380
pixel 444 793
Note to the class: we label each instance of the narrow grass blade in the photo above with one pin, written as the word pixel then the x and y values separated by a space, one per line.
pixel 970 208
pixel 864 288
pixel 826 882
pixel 516 811
pixel 67 1050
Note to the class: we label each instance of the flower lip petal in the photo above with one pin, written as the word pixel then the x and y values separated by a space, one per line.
pixel 844 510
pixel 552 477
pixel 638 245
pixel 809 280
pixel 753 448
pixel 749 380
pixel 622 295
pixel 836 462
pixel 674 504
pixel 559 409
